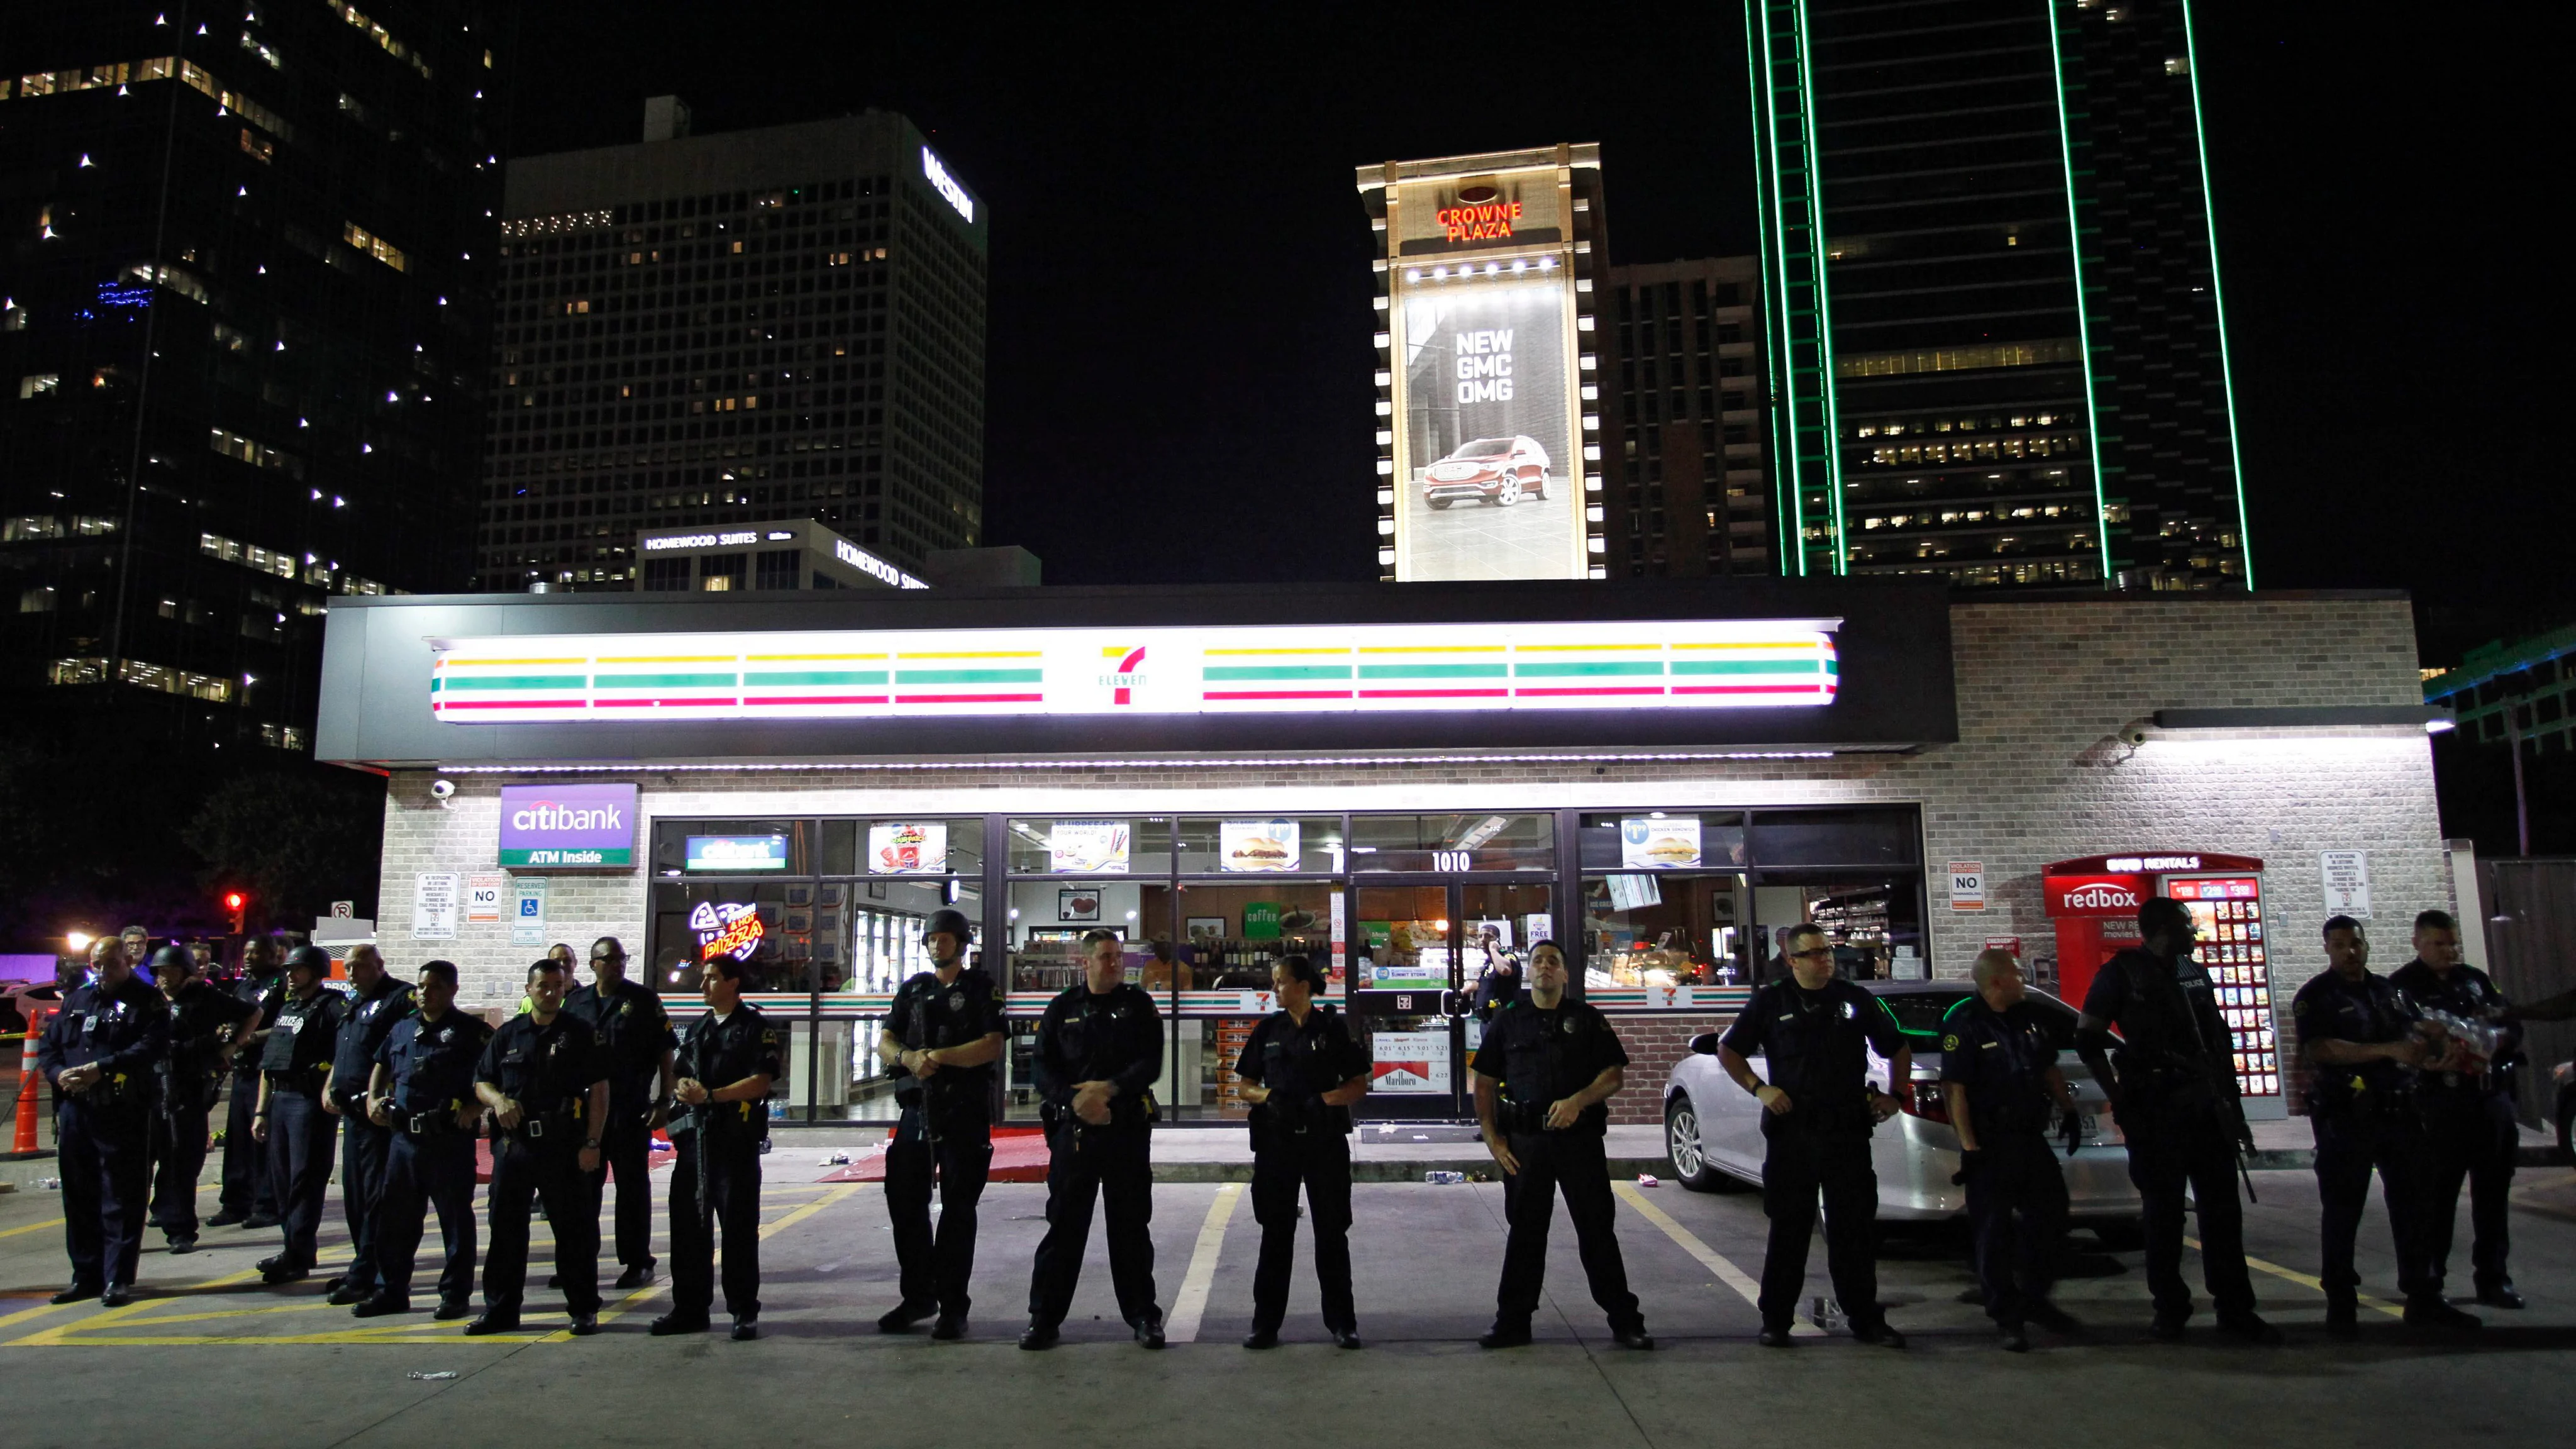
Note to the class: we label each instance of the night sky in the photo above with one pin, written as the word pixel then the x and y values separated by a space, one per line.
pixel 1178 385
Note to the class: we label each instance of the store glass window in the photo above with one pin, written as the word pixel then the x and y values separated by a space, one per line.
pixel 918 847
pixel 1661 840
pixel 697 849
pixel 1091 845
pixel 767 925
pixel 1875 921
pixel 1452 844
pixel 1836 837
pixel 1254 845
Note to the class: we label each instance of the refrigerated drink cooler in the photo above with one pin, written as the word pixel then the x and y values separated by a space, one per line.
pixel 2093 902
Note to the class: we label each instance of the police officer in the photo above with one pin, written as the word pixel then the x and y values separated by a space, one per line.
pixel 2468 1116
pixel 248 1198
pixel 546 1081
pixel 295 1071
pixel 727 1060
pixel 939 1043
pixel 1100 1047
pixel 1999 1074
pixel 2174 1096
pixel 378 1000
pixel 1303 1070
pixel 1818 1110
pixel 420 1091
pixel 636 1033
pixel 1545 1071
pixel 101 1053
pixel 2357 1031
pixel 203 1020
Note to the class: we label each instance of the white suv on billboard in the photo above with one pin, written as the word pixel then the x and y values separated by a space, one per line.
pixel 1500 471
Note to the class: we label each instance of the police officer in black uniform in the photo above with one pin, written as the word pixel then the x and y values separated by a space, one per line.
pixel 1999 1073
pixel 1099 1049
pixel 295 1071
pixel 546 1081
pixel 2468 1116
pixel 203 1021
pixel 377 1002
pixel 248 1198
pixel 727 1060
pixel 636 1033
pixel 2358 1032
pixel 939 1043
pixel 1819 1108
pixel 1303 1069
pixel 420 1090
pixel 102 1052
pixel 1543 1076
pixel 2174 1096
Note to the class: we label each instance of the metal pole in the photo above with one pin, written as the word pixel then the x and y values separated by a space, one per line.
pixel 2521 805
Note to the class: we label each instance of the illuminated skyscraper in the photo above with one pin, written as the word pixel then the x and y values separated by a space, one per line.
pixel 1994 321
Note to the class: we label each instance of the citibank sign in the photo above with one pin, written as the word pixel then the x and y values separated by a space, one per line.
pixel 568 825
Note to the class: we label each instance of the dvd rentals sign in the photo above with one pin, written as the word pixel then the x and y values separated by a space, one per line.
pixel 568 825
pixel 2095 895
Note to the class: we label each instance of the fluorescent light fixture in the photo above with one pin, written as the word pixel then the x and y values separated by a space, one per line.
pixel 2432 719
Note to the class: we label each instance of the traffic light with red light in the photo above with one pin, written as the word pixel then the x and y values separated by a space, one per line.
pixel 235 903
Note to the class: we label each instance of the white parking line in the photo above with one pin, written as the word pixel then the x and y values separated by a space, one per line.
pixel 1181 1325
pixel 1727 1273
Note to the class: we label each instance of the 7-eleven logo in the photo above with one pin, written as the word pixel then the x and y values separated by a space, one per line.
pixel 1123 679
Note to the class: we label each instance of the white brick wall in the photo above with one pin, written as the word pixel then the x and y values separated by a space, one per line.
pixel 2038 775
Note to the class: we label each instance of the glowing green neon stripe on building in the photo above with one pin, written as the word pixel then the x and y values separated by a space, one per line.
pixel 2218 299
pixel 2083 305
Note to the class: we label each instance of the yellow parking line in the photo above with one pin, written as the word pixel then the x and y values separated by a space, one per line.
pixel 31 1228
pixel 2313 1284
pixel 838 1193
pixel 1182 1325
pixel 1745 1286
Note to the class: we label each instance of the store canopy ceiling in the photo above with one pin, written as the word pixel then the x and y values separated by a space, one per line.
pixel 1332 669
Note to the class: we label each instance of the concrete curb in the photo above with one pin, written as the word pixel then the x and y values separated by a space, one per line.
pixel 1408 1169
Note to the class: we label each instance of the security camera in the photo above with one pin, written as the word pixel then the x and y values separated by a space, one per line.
pixel 2132 735
pixel 441 789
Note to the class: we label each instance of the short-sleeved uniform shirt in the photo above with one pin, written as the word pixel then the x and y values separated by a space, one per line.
pixel 544 1068
pixel 1299 1064
pixel 264 995
pixel 634 1030
pixel 2003 1059
pixel 1543 1055
pixel 429 1065
pixel 124 1030
pixel 2368 1011
pixel 198 1016
pixel 929 1014
pixel 301 1039
pixel 1113 1036
pixel 716 1054
pixel 2469 994
pixel 1817 1045
pixel 364 1026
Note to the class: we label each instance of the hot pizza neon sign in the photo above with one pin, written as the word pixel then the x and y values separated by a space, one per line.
pixel 726 928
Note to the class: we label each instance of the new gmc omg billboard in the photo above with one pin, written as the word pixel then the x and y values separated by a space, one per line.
pixel 1489 466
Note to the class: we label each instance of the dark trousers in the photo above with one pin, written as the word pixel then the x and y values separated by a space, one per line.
pixel 732 1169
pixel 299 1163
pixel 1798 1168
pixel 105 1154
pixel 524 1172
pixel 365 1148
pixel 2016 1214
pixel 2168 1152
pixel 2476 1143
pixel 1321 1163
pixel 2349 1145
pixel 1571 1164
pixel 935 1268
pixel 626 1153
pixel 246 1186
pixel 178 1160
pixel 1113 1164
pixel 421 1171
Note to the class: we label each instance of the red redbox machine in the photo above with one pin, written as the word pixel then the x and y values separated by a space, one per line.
pixel 2094 904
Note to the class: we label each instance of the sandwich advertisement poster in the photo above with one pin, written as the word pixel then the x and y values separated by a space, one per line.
pixel 1668 844
pixel 1257 845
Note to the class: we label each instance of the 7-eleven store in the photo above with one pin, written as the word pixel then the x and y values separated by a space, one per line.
pixel 1406 783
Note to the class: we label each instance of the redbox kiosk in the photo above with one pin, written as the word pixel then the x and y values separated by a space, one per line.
pixel 2094 904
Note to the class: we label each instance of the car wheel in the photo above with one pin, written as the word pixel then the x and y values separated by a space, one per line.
pixel 1508 493
pixel 1539 490
pixel 1691 1166
pixel 1440 503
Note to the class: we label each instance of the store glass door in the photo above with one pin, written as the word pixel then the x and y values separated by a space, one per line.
pixel 1404 980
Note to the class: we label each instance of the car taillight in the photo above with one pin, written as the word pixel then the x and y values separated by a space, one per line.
pixel 1924 1099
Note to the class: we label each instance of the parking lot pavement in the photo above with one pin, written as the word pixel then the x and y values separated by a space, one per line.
pixel 229 1358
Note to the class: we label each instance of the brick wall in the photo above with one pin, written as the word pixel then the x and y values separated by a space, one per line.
pixel 2038 774
pixel 1655 1044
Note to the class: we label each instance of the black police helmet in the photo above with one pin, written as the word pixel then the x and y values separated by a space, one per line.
pixel 309 958
pixel 951 921
pixel 172 959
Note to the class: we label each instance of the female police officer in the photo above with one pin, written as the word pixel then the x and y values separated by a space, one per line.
pixel 1304 1072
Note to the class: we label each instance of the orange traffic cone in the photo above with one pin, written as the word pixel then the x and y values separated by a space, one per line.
pixel 26 1142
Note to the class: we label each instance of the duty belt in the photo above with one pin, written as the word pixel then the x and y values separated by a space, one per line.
pixel 539 1126
pixel 427 1121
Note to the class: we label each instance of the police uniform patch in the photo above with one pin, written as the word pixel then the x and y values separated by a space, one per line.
pixel 1568 1026
pixel 1950 1043
pixel 956 1000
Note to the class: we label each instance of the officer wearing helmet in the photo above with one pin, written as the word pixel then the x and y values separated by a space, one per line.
pixel 939 1043
pixel 294 1072
pixel 204 1019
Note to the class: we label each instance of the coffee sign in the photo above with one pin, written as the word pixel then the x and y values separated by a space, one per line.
pixel 568 825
